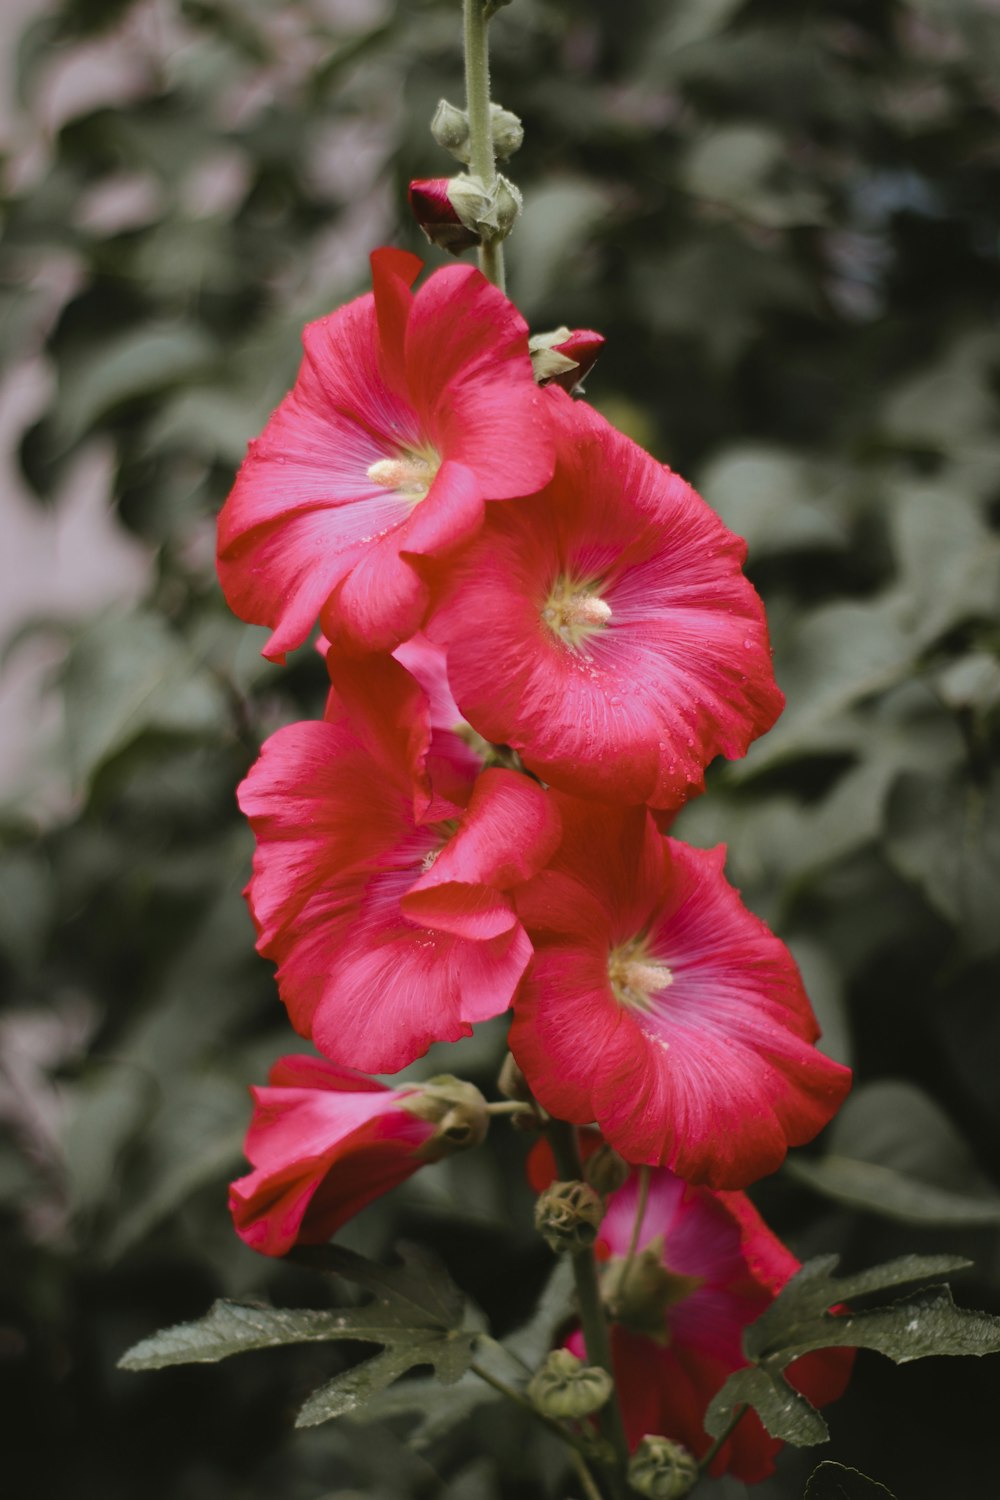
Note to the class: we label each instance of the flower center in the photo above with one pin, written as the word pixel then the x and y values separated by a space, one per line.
pixel 410 474
pixel 574 611
pixel 635 978
pixel 641 1293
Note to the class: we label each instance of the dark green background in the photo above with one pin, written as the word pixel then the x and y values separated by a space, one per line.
pixel 785 218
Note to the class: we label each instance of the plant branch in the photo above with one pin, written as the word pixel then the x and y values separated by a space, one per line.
pixel 595 1328
pixel 515 1396
pixel 482 159
pixel 722 1439
pixel 640 1214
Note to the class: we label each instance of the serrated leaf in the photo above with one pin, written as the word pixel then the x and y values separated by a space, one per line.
pixel 894 1195
pixel 449 1354
pixel 833 1481
pixel 920 1326
pixel 236 1327
pixel 437 1408
pixel 784 1412
pixel 420 1286
pixel 813 1289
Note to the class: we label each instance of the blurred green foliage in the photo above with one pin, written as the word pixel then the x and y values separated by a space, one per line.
pixel 785 216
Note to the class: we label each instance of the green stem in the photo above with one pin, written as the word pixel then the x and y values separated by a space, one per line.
pixel 477 102
pixel 640 1214
pixel 509 1107
pixel 722 1439
pixel 595 1329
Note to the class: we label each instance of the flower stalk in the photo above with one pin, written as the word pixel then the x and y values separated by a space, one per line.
pixel 482 157
pixel 595 1328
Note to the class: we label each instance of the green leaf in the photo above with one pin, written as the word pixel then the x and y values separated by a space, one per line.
pixel 949 562
pixel 127 673
pixel 237 1327
pixel 417 1314
pixel 894 1195
pixel 745 168
pixel 943 834
pixel 139 363
pixel 776 501
pixel 835 1482
pixel 792 1317
pixel 784 1412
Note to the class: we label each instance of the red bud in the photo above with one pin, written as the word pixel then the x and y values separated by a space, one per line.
pixel 583 346
pixel 433 211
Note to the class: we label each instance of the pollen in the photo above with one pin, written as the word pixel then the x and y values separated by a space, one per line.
pixel 636 980
pixel 410 475
pixel 575 612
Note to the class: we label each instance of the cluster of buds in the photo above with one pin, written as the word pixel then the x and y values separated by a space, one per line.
pixel 458 213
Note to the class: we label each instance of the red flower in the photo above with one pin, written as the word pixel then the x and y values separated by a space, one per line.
pixel 707 1266
pixel 659 1006
pixel 325 1140
pixel 383 870
pixel 617 644
pixel 408 412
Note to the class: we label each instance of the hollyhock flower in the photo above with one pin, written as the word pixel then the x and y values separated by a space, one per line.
pixel 325 1140
pixel 409 411
pixel 659 1006
pixel 617 645
pixel 384 865
pixel 706 1266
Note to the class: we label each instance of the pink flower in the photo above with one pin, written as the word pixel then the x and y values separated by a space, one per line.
pixel 325 1140
pixel 659 1006
pixel 384 866
pixel 707 1266
pixel 408 413
pixel 617 644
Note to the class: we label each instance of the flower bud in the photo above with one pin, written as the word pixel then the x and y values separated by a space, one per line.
pixel 434 212
pixel 488 212
pixel 511 1082
pixel 507 132
pixel 564 357
pixel 566 1387
pixel 458 1111
pixel 662 1470
pixel 450 128
pixel 606 1171
pixel 568 1216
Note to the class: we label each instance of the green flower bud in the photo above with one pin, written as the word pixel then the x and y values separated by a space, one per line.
pixel 512 1083
pixel 490 212
pixel 566 1387
pixel 568 1216
pixel 507 132
pixel 662 1470
pixel 456 1108
pixel 450 128
pixel 606 1171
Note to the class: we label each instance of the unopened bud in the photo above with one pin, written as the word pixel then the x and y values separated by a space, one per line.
pixel 662 1470
pixel 450 128
pixel 507 132
pixel 564 357
pixel 458 1111
pixel 606 1171
pixel 434 212
pixel 568 1216
pixel 511 1082
pixel 566 1387
pixel 489 212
